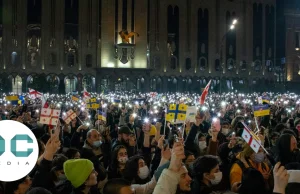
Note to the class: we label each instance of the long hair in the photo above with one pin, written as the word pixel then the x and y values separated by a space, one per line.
pixel 283 149
pixel 114 158
pixel 131 171
pixel 252 182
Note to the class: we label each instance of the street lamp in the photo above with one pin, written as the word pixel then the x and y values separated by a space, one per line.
pixel 232 27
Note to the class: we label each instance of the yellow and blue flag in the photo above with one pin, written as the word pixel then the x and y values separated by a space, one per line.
pixel 266 99
pixel 176 112
pixel 12 99
pixel 261 110
pixel 75 99
pixel 101 115
pixel 92 103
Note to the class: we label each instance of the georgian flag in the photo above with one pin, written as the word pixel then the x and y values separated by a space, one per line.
pixel 251 138
pixel 33 94
pixel 86 95
pixel 69 116
pixel 49 116
pixel 204 93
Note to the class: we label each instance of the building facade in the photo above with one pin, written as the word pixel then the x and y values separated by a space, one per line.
pixel 60 46
pixel 292 46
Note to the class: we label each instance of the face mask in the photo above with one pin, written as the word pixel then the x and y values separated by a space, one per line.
pixel 259 157
pixel 97 144
pixel 144 172
pixel 123 160
pixel 202 145
pixel 218 178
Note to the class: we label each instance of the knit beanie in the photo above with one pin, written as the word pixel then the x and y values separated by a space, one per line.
pixel 78 171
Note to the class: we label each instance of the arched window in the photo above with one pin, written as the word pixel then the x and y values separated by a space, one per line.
pixel 70 84
pixel 14 58
pixel 203 63
pixel 89 61
pixel 89 82
pixel 17 85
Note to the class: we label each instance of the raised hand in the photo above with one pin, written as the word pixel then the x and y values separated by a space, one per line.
pixel 281 178
pixel 177 157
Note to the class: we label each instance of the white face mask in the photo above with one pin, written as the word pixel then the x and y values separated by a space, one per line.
pixel 218 178
pixel 202 145
pixel 144 172
pixel 123 160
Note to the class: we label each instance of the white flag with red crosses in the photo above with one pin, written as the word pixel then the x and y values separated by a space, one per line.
pixel 49 116
pixel 251 138
pixel 69 116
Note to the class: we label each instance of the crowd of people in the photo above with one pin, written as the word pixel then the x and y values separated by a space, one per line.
pixel 134 150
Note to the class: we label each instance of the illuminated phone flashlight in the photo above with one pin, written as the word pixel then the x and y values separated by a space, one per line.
pixel 204 108
pixel 223 103
pixel 82 108
pixel 245 115
pixel 249 121
pixel 87 124
pixel 134 115
pixel 89 116
pixel 136 102
pixel 155 120
pixel 219 114
pixel 214 119
pixel 64 114
pixel 5 112
pixel 238 111
pixel 146 120
pixel 8 102
pixel 233 133
pixel 37 111
pixel 120 105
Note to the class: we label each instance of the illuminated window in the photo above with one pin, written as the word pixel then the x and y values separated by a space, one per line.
pixel 17 85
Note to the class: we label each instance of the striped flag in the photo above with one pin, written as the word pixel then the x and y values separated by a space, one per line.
pixel 204 93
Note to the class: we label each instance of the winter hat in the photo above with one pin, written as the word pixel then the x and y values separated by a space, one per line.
pixel 78 171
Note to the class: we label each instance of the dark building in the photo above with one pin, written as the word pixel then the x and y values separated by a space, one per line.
pixel 59 46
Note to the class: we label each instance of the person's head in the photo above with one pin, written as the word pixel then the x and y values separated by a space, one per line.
pixel 57 171
pixel 81 173
pixel 94 138
pixel 189 158
pixel 252 182
pixel 285 146
pixel 118 186
pixel 206 169
pixel 119 156
pixel 297 124
pixel 280 127
pixel 250 154
pixel 290 123
pixel 201 141
pixel 185 181
pixel 274 137
pixel 124 134
pixel 72 153
pixel 18 187
pixel 225 127
pixel 136 170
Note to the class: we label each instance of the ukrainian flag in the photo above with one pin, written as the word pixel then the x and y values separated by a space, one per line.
pixel 261 110
pixel 176 112
pixel 265 99
pixel 102 115
pixel 12 99
pixel 92 103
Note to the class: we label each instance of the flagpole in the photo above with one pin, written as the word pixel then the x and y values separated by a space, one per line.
pixel 165 123
pixel 256 124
